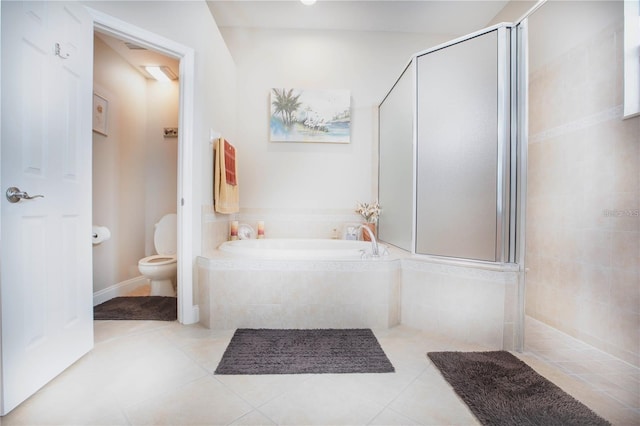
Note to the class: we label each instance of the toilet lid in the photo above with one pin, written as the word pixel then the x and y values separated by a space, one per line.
pixel 165 237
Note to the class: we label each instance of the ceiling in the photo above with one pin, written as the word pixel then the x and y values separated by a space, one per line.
pixel 451 17
pixel 138 56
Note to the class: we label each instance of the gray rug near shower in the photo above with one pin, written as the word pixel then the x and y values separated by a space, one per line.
pixel 500 389
pixel 157 308
pixel 297 351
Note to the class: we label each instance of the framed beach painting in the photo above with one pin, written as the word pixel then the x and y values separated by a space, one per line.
pixel 301 115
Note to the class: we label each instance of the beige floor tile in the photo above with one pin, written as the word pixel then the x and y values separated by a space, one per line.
pixel 629 399
pixel 320 401
pixel 592 376
pixel 260 389
pixel 202 402
pixel 143 290
pixel 148 376
pixel 431 401
pixel 388 417
pixel 60 409
pixel 104 331
pixel 379 388
pixel 207 352
pixel 185 335
pixel 153 372
pixel 254 418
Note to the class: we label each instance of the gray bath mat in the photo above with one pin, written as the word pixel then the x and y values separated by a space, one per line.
pixel 294 351
pixel 156 308
pixel 500 389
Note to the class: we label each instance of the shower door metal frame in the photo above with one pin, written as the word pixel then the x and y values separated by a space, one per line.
pixel 504 212
pixel 521 102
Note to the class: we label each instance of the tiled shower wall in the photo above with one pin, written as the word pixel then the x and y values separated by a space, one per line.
pixel 583 229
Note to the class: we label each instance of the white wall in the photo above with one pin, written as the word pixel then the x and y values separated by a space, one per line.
pixel 313 177
pixel 161 163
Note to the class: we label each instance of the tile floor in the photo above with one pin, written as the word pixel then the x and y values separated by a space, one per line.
pixel 156 373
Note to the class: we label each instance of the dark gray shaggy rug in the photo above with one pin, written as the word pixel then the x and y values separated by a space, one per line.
pixel 296 351
pixel 500 389
pixel 158 308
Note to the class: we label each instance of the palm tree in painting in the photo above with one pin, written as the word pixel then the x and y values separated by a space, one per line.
pixel 285 104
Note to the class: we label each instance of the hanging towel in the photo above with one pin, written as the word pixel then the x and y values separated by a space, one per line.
pixel 230 163
pixel 226 197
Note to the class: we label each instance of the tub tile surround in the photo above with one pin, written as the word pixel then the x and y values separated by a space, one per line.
pixel 298 294
pixel 583 230
pixel 215 228
pixel 472 304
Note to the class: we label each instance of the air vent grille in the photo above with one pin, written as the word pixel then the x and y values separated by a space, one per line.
pixel 133 46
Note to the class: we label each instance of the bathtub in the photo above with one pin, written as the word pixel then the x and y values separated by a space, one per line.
pixel 318 249
pixel 298 283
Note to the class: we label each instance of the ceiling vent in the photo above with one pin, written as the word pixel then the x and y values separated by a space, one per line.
pixel 134 46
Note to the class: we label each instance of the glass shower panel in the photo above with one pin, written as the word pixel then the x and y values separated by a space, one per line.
pixel 457 150
pixel 395 174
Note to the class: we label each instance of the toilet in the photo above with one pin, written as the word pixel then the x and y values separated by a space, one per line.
pixel 161 268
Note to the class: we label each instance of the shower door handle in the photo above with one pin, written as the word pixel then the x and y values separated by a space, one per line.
pixel 14 195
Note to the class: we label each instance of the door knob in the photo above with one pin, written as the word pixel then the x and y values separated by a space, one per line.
pixel 14 195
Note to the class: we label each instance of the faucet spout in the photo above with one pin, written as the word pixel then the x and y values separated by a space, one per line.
pixel 374 243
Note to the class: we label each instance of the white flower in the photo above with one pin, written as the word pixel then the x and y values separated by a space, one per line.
pixel 370 212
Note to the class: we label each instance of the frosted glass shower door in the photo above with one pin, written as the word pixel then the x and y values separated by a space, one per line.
pixel 395 170
pixel 457 193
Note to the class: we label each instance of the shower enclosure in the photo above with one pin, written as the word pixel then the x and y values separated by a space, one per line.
pixel 452 164
pixel 446 171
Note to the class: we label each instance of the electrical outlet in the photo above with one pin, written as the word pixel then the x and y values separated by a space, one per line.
pixel 170 132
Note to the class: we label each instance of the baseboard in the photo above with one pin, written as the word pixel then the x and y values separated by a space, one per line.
pixel 121 289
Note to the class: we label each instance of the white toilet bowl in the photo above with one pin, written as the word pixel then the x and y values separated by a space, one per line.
pixel 160 269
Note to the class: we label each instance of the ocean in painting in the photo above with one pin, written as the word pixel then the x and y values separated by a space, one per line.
pixel 298 132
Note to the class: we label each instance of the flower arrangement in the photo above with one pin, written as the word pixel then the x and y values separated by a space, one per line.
pixel 369 211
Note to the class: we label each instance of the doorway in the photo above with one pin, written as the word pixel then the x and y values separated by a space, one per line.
pixel 105 24
pixel 135 162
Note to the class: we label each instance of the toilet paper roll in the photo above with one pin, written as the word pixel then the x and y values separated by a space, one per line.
pixel 100 234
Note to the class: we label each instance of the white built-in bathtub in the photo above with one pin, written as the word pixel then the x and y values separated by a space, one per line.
pixel 275 283
pixel 298 283
pixel 303 248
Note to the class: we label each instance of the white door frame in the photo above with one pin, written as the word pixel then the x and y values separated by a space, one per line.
pixel 187 312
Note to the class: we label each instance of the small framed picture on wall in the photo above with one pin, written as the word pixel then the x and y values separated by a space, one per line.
pixel 100 110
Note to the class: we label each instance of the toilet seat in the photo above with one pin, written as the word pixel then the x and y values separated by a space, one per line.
pixel 160 269
pixel 158 260
pixel 164 239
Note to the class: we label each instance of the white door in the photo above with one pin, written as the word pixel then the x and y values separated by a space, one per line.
pixel 45 277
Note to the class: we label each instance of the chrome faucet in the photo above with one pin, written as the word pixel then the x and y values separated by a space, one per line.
pixel 374 243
